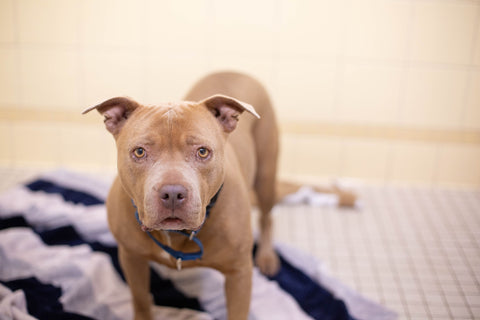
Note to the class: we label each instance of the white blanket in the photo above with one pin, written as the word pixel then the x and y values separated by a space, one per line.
pixel 58 261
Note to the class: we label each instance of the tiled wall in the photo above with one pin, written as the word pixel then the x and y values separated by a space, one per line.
pixel 404 66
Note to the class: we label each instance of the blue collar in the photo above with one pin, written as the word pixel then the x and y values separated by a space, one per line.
pixel 179 255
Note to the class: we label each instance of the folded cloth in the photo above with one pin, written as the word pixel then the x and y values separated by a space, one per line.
pixel 13 305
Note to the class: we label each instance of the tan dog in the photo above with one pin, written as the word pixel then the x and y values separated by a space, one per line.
pixel 175 160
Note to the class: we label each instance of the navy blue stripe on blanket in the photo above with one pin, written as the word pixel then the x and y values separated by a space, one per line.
pixel 319 303
pixel 312 298
pixel 68 194
pixel 43 300
pixel 163 291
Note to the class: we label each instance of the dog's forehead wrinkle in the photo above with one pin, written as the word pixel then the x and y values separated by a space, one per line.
pixel 172 113
pixel 158 118
pixel 169 126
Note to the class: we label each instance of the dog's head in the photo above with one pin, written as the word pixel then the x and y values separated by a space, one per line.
pixel 170 157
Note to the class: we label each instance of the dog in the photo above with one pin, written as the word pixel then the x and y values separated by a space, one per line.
pixel 186 171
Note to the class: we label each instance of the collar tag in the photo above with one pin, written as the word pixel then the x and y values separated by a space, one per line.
pixel 179 264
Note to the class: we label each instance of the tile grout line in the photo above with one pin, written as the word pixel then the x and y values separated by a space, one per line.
pixel 411 267
pixel 424 210
pixel 396 274
pixel 460 249
pixel 375 269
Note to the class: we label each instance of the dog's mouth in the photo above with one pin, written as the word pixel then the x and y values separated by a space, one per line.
pixel 175 223
pixel 172 220
pixel 172 223
pixel 168 220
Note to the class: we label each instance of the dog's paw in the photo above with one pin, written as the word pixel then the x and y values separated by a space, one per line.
pixel 267 261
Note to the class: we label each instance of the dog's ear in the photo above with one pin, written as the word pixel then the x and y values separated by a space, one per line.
pixel 227 110
pixel 115 112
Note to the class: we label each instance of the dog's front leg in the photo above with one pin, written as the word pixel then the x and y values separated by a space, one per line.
pixel 137 272
pixel 238 291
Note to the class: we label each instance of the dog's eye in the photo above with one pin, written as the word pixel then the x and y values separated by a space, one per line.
pixel 139 153
pixel 203 153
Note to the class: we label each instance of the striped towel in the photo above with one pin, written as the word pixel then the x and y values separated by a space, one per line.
pixel 58 260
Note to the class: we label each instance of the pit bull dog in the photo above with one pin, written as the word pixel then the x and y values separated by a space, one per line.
pixel 185 173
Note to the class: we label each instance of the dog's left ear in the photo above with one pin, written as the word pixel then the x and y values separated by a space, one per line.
pixel 227 110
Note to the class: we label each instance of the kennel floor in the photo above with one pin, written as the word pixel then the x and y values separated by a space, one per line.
pixel 413 250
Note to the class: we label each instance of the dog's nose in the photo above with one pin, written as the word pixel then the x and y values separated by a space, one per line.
pixel 173 196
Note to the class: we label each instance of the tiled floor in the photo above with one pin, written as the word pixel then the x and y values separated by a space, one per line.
pixel 416 251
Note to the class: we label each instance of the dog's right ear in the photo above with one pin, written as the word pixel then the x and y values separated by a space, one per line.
pixel 115 112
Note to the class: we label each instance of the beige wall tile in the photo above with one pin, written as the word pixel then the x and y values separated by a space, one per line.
pixel 260 67
pixel 170 27
pixel 365 159
pixel 459 164
pixel 377 29
pixel 434 97
pixel 311 27
pixel 242 27
pixel 168 12
pixel 471 117
pixel 36 143
pixel 413 162
pixel 160 39
pixel 49 78
pixel 9 78
pixel 248 12
pixel 242 40
pixel 54 144
pixel 49 21
pixel 310 155
pixel 169 75
pixel 443 31
pixel 87 145
pixel 476 57
pixel 370 94
pixel 74 53
pixel 305 90
pixel 119 23
pixel 6 143
pixel 7 24
pixel 110 74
